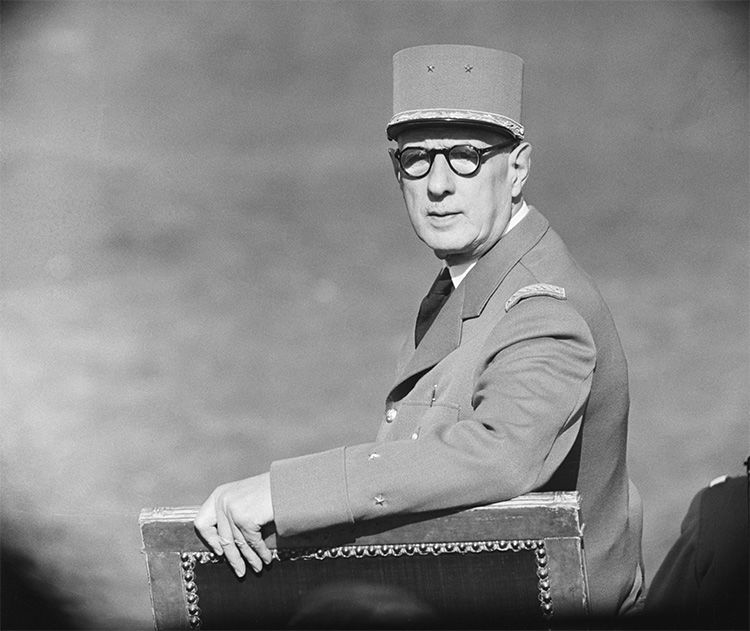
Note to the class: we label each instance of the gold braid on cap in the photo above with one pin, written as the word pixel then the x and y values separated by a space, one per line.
pixel 414 116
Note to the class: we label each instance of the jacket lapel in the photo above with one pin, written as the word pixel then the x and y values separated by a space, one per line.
pixel 442 338
pixel 470 297
pixel 484 279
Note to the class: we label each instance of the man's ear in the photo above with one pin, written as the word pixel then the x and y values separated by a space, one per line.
pixel 520 161
pixel 395 164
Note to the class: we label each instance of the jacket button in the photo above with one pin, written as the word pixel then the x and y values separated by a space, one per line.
pixel 391 415
pixel 415 435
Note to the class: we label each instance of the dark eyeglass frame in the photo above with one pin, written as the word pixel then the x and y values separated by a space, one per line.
pixel 446 152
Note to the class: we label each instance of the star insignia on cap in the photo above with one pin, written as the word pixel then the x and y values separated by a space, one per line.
pixel 468 68
pixel 430 68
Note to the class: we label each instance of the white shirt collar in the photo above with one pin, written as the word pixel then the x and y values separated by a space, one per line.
pixel 458 272
pixel 516 219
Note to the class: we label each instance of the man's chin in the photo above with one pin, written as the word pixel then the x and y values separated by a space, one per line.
pixel 445 247
pixel 451 256
pixel 441 251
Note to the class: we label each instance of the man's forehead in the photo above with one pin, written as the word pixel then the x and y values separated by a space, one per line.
pixel 450 132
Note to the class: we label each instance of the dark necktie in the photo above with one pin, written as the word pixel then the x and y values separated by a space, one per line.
pixel 432 303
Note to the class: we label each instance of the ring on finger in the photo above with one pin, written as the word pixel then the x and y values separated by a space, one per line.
pixel 241 542
pixel 224 542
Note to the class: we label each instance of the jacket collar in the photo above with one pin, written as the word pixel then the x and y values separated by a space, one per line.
pixel 470 297
pixel 482 281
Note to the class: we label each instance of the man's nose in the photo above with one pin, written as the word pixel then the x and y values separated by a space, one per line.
pixel 441 179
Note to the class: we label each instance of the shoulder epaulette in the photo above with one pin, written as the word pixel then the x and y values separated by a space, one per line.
pixel 540 289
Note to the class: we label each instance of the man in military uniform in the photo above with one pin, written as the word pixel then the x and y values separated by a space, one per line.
pixel 514 379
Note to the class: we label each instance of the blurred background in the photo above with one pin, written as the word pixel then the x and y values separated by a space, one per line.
pixel 206 264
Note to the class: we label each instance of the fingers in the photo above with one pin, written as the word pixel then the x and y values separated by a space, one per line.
pixel 246 549
pixel 254 538
pixel 239 542
pixel 226 541
pixel 205 524
pixel 230 522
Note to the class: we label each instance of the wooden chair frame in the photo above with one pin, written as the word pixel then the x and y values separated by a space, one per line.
pixel 546 523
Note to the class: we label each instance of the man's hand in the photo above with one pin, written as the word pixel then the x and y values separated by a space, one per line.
pixel 231 518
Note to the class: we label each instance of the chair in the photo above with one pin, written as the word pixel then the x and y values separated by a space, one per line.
pixel 514 563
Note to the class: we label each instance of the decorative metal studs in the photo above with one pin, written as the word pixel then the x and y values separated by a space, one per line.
pixel 410 549
pixel 189 559
pixel 430 68
pixel 545 598
pixel 190 587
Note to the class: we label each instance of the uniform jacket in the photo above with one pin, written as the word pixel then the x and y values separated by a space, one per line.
pixel 703 580
pixel 489 406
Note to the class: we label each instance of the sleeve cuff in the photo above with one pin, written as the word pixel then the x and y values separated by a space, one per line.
pixel 310 492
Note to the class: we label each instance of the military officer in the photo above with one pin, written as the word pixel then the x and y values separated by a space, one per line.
pixel 514 379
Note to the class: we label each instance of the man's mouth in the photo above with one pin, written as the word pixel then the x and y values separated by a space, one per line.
pixel 442 213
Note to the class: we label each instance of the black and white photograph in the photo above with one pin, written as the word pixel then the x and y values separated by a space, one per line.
pixel 374 314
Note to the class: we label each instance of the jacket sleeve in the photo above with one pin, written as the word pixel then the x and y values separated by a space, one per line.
pixel 531 383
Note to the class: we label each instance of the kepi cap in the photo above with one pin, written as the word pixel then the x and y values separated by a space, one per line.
pixel 457 84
